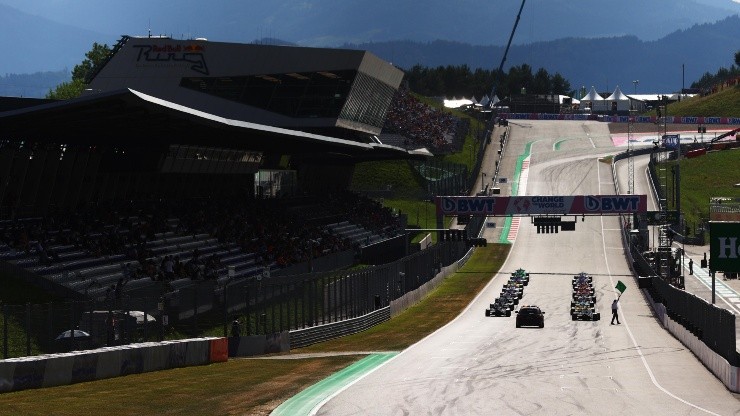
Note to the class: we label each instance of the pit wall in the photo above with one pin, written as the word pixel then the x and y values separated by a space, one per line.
pixel 51 370
pixel 720 367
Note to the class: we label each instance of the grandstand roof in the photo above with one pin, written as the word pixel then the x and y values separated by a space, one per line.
pixel 132 117
pixel 334 92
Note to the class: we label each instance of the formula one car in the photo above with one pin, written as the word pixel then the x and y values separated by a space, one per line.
pixel 581 278
pixel 507 302
pixel 510 297
pixel 583 299
pixel 530 315
pixel 510 290
pixel 515 283
pixel 520 276
pixel 499 307
pixel 583 290
pixel 584 312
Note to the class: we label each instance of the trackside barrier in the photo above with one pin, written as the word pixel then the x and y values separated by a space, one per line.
pixel 412 298
pixel 219 350
pixel 718 365
pixel 251 345
pixel 78 366
pixel 304 337
pixel 708 331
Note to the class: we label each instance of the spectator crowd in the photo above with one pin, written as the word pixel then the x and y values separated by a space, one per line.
pixel 422 124
pixel 279 232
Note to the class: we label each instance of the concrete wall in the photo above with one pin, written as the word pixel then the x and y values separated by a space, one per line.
pixel 74 367
pixel 720 367
pixel 248 346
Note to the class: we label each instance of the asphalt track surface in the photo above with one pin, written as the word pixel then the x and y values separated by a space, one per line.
pixel 485 366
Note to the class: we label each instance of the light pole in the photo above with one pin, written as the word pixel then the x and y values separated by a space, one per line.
pixel 635 82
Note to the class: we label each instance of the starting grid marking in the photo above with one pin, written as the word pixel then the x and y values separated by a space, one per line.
pixel 523 177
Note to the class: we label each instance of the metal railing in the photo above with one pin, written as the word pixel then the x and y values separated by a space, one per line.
pixel 260 306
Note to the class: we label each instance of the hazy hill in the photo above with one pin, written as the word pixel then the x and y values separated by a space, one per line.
pixel 35 85
pixel 34 44
pixel 603 62
pixel 50 34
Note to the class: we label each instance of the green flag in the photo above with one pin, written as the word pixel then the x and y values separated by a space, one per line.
pixel 620 286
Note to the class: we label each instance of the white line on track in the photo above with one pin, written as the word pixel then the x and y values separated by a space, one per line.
pixel 632 336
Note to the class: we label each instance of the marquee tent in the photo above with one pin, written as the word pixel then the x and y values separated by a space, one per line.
pixel 594 101
pixel 622 101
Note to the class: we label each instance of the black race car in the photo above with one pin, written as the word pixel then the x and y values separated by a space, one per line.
pixel 584 312
pixel 583 299
pixel 512 290
pixel 500 307
pixel 520 276
pixel 530 315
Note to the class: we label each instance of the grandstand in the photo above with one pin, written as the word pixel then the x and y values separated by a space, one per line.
pixel 188 164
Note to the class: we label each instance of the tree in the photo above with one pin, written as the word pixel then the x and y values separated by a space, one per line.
pixel 66 90
pixel 737 58
pixel 560 85
pixel 541 83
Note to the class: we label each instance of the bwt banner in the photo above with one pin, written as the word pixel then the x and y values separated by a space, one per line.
pixel 541 205
pixel 621 119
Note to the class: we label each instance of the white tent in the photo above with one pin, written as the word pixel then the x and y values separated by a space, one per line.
pixel 592 96
pixel 593 101
pixel 562 98
pixel 486 101
pixel 623 102
pixel 617 95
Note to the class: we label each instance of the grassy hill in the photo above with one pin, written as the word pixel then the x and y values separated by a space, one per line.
pixel 725 103
pixel 711 175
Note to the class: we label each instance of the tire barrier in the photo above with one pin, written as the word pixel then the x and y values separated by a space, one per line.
pixel 78 366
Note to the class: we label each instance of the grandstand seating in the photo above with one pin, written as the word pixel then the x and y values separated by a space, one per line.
pixel 136 266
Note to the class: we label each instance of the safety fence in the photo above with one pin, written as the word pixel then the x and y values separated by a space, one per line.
pixel 257 306
pixel 713 326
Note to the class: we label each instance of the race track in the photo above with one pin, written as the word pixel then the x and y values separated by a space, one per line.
pixel 486 366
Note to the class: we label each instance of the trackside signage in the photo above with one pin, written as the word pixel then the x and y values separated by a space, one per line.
pixel 724 246
pixel 538 205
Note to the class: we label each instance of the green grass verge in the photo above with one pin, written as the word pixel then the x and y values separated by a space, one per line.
pixel 713 174
pixel 237 387
pixel 256 386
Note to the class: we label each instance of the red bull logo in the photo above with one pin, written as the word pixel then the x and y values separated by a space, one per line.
pixel 169 55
